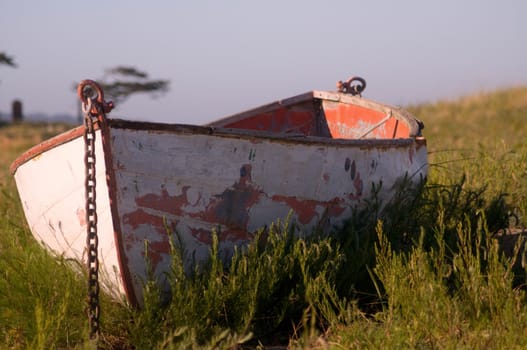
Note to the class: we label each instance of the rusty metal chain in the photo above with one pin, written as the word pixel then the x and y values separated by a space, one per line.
pixel 346 87
pixel 92 240
pixel 94 110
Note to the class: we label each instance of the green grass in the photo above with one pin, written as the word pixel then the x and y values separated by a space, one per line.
pixel 483 138
pixel 431 274
pixel 433 300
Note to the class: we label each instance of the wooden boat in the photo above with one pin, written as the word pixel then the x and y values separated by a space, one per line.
pixel 314 157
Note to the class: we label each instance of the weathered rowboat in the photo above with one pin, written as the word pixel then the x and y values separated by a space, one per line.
pixel 314 157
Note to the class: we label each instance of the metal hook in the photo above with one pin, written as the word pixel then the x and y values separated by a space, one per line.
pixel 100 107
pixel 346 87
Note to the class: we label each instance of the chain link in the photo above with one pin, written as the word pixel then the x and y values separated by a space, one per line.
pixel 92 241
pixel 94 108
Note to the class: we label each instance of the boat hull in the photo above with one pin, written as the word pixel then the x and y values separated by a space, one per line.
pixel 51 187
pixel 159 182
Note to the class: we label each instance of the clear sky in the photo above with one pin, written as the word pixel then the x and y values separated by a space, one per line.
pixel 223 57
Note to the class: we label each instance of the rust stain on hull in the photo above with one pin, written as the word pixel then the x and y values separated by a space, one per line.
pixel 308 210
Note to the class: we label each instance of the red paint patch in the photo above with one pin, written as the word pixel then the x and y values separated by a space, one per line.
pixel 165 202
pixel 156 252
pixel 281 120
pixel 157 247
pixel 202 235
pixel 236 235
pixel 141 217
pixel 81 216
pixel 304 209
pixel 229 209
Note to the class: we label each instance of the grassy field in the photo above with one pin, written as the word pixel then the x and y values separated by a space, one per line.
pixel 432 274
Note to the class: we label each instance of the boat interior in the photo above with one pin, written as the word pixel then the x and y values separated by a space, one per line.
pixel 329 115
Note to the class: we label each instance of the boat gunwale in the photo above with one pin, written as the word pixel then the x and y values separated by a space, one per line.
pixel 215 128
pixel 46 145
pixel 164 128
pixel 297 138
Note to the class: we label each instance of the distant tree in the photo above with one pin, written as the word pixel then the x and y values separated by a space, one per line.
pixel 7 60
pixel 120 82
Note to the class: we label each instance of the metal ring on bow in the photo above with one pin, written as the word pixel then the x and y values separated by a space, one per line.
pixel 347 88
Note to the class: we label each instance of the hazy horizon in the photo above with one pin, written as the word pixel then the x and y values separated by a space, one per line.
pixel 223 58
